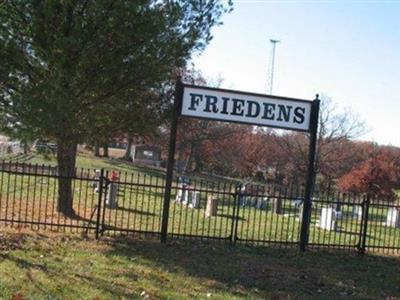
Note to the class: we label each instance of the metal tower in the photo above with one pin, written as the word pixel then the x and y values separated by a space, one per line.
pixel 270 81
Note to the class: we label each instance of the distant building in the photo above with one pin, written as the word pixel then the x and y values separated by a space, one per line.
pixel 122 142
pixel 146 154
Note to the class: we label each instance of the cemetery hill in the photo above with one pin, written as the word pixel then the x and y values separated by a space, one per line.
pixel 246 108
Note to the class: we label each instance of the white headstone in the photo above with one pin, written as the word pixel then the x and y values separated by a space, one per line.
pixel 298 202
pixel 327 220
pixel 337 208
pixel 357 212
pixel 96 182
pixel 243 200
pixel 182 194
pixel 253 201
pixel 212 207
pixel 393 217
pixel 186 197
pixel 261 202
pixel 338 214
pixel 195 201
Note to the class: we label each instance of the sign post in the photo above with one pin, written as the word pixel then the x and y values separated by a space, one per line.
pixel 247 108
pixel 307 203
pixel 171 160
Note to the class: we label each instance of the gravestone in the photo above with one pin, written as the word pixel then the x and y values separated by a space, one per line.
pixel 327 220
pixel 357 212
pixel 212 207
pixel 252 201
pixel 338 214
pixel 243 196
pixel 337 207
pixel 298 209
pixel 243 200
pixel 186 197
pixel 111 199
pixel 182 194
pixel 261 202
pixel 195 200
pixel 96 181
pixel 393 217
pixel 300 213
pixel 298 202
pixel 248 201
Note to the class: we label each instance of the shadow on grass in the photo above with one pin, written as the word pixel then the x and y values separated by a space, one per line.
pixel 67 276
pixel 121 163
pixel 231 216
pixel 93 215
pixel 136 211
pixel 270 272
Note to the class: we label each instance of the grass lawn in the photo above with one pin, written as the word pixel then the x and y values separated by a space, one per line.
pixel 84 160
pixel 51 266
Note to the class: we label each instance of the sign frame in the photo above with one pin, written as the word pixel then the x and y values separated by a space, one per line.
pixel 251 94
pixel 312 130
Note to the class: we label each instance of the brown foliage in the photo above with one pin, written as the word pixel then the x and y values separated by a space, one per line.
pixel 378 176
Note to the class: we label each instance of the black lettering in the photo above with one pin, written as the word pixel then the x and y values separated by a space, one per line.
pixel 194 100
pixel 237 108
pixel 269 111
pixel 253 109
pixel 299 115
pixel 285 112
pixel 211 104
pixel 224 105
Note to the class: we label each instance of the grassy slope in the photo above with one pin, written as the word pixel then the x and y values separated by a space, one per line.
pixel 84 160
pixel 55 267
pixel 88 161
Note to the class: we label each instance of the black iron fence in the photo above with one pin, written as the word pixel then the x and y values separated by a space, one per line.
pixel 106 202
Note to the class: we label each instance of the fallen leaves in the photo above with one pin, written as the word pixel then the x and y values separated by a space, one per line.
pixel 18 297
pixel 9 242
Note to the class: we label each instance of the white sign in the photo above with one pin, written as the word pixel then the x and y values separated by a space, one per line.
pixel 232 106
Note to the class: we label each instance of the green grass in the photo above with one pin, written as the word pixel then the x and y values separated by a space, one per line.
pixel 85 161
pixel 66 267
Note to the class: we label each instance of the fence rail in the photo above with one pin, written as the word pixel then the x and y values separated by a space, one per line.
pixel 132 203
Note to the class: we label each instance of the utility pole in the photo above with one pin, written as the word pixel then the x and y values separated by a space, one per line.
pixel 272 65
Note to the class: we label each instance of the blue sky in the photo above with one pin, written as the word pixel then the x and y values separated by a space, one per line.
pixel 347 50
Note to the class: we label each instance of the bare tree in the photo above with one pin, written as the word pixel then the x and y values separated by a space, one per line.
pixel 337 128
pixel 193 133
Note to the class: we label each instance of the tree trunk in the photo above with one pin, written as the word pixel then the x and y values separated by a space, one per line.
pixel 181 160
pixel 26 147
pixel 189 160
pixel 105 150
pixel 128 149
pixel 97 150
pixel 66 158
pixel 197 161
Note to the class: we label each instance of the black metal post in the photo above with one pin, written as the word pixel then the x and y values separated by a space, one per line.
pixel 364 225
pixel 171 159
pixel 235 214
pixel 99 202
pixel 361 234
pixel 106 184
pixel 306 218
